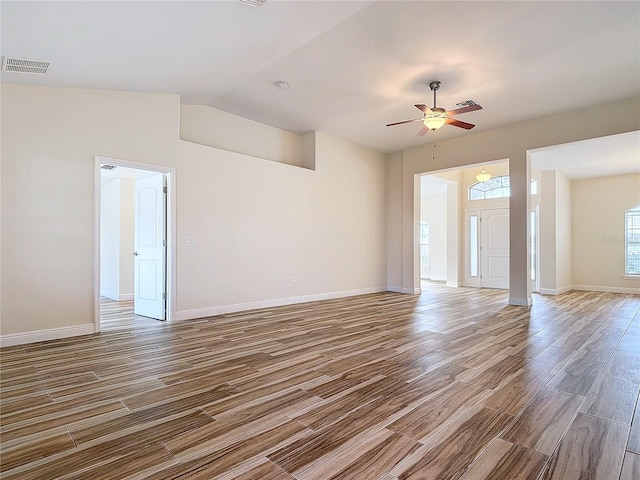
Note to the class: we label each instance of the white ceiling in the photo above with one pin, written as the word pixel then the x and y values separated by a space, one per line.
pixel 597 157
pixel 352 66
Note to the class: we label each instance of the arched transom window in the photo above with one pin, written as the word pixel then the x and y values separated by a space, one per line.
pixel 495 187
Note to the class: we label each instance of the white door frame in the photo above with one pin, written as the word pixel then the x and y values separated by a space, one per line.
pixel 171 231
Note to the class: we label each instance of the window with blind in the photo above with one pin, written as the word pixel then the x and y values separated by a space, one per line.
pixel 632 241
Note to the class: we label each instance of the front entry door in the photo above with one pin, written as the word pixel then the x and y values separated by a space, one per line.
pixel 150 250
pixel 495 248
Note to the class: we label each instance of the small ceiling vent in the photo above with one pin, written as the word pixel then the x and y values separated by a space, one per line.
pixel 104 166
pixel 466 103
pixel 255 3
pixel 22 65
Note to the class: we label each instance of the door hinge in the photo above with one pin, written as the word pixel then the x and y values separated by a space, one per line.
pixel 164 295
pixel 164 189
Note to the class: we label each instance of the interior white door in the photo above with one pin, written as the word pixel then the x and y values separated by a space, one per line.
pixel 150 251
pixel 495 248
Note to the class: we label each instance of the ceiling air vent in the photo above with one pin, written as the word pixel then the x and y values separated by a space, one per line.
pixel 22 65
pixel 466 103
pixel 255 3
pixel 104 166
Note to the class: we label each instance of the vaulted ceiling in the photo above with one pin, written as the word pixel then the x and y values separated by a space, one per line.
pixel 351 66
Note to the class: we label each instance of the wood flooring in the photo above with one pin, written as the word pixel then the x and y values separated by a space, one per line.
pixel 450 384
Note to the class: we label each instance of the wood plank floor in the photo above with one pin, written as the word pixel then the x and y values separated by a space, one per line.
pixel 451 384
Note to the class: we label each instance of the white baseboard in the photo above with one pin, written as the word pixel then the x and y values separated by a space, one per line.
pixel 438 278
pixel 276 302
pixel 411 291
pixel 393 288
pixel 597 288
pixel 453 284
pixel 44 335
pixel 125 296
pixel 520 302
pixel 556 291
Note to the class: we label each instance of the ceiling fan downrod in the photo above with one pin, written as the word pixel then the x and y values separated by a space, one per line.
pixel 434 86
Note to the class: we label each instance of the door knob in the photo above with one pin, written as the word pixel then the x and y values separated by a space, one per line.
pixel 136 254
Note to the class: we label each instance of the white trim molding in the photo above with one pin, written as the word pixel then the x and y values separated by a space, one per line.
pixel 556 291
pixel 453 284
pixel 44 335
pixel 393 288
pixel 412 291
pixel 520 302
pixel 597 288
pixel 276 302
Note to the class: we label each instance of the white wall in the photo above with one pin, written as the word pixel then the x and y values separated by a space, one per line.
pixel 252 219
pixel 117 239
pixel 510 143
pixel 598 231
pixel 434 212
pixel 110 240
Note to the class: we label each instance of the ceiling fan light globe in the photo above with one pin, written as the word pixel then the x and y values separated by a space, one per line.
pixel 434 119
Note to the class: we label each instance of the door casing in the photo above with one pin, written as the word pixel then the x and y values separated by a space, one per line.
pixel 171 232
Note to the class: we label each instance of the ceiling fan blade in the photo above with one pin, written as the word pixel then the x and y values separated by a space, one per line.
pixel 404 121
pixel 423 108
pixel 470 108
pixel 458 123
pixel 422 131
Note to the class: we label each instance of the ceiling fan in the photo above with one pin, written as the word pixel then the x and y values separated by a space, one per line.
pixel 435 117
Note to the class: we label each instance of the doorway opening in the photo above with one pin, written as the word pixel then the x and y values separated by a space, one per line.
pixel 463 226
pixel 134 279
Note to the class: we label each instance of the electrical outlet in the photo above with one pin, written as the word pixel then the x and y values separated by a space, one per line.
pixel 277 280
pixel 191 241
pixel 294 279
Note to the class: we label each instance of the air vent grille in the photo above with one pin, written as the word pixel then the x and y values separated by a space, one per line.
pixel 22 65
pixel 104 166
pixel 255 3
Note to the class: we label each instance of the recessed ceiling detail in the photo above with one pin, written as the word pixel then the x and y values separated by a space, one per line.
pixel 23 65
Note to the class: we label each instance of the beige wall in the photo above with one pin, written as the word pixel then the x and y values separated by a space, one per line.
pixel 394 222
pixel 548 233
pixel 222 130
pixel 252 219
pixel 564 234
pixel 598 231
pixel 555 233
pixel 510 143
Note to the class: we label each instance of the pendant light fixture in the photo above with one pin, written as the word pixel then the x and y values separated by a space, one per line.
pixel 483 176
